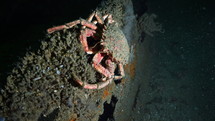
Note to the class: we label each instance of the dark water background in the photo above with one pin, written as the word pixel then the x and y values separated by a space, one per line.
pixel 190 28
pixel 181 63
pixel 189 25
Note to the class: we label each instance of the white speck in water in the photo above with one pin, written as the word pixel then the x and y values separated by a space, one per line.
pixel 58 72
pixel 196 108
pixel 61 66
pixel 37 78
pixel 86 96
pixel 182 56
pixel 2 90
pixel 48 68
pixel 55 91
pixel 203 8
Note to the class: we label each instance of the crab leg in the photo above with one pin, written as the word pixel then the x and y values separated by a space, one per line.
pixel 57 28
pixel 94 86
pixel 71 24
pixel 98 18
pixel 121 71
pixel 90 18
pixel 83 38
pixel 84 33
pixel 110 66
pixel 96 64
pixel 105 16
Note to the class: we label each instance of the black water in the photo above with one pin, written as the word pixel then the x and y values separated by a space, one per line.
pixel 189 43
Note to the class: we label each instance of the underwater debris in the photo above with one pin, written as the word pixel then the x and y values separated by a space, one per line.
pixel 148 25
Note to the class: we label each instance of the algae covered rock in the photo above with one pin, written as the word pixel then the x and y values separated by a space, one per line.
pixel 42 84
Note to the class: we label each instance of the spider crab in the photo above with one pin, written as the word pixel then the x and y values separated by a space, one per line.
pixel 114 49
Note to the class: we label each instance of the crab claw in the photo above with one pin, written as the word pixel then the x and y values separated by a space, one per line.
pixel 111 68
pixel 98 85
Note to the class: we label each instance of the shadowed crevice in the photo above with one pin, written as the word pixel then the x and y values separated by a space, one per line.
pixel 109 110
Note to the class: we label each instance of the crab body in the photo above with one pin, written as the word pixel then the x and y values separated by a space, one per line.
pixel 116 44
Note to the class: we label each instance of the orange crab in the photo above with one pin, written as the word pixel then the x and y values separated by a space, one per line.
pixel 112 43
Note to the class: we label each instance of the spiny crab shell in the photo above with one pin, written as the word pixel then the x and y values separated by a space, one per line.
pixel 116 43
